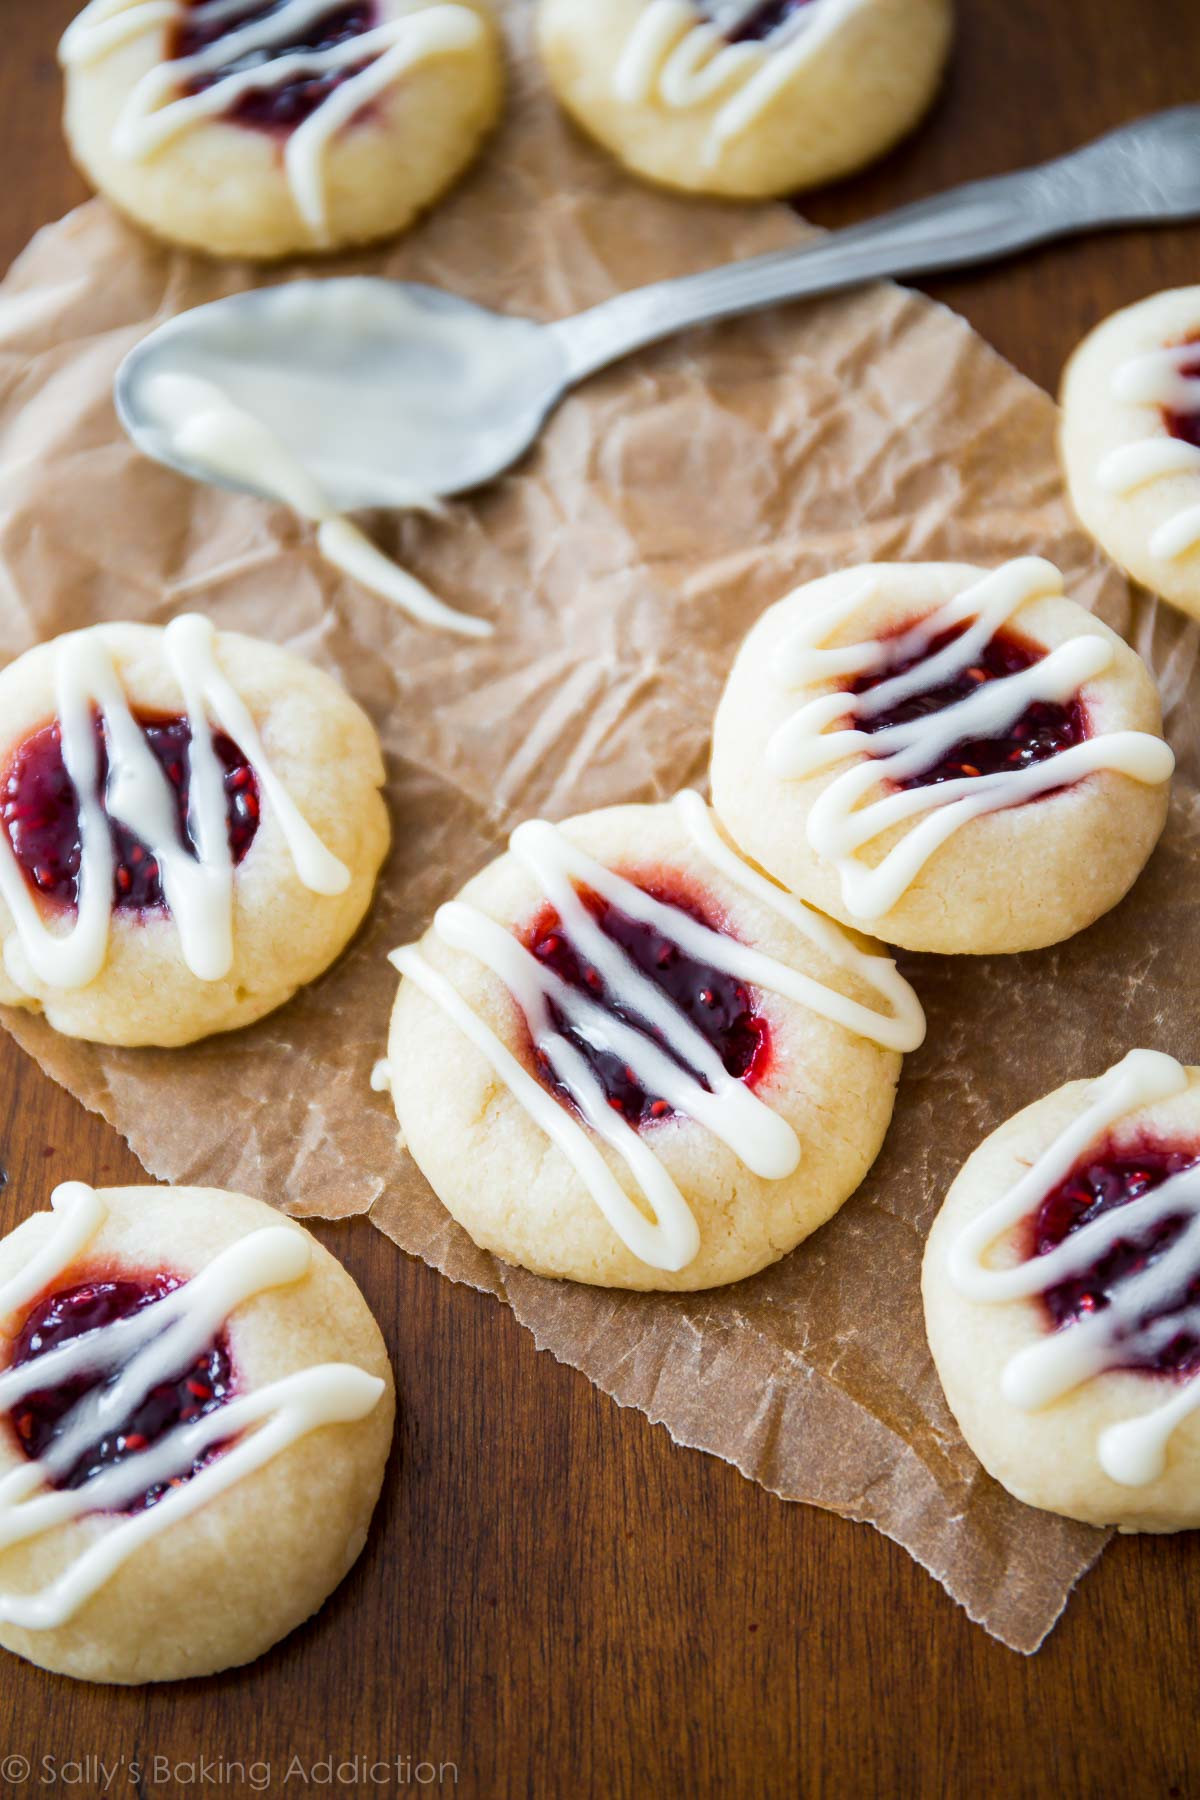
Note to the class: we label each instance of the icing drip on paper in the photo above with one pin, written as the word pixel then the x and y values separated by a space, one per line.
pixel 843 820
pixel 252 55
pixel 203 425
pixel 137 1353
pixel 1144 1311
pixel 665 1053
pixel 196 877
pixel 1168 379
pixel 684 63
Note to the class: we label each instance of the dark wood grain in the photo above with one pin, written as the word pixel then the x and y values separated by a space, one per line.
pixel 556 1600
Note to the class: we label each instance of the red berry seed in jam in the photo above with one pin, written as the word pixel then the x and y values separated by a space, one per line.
pixel 1186 425
pixel 277 107
pixel 719 1006
pixel 1111 1179
pixel 191 1393
pixel 40 812
pixel 1044 728
pixel 764 21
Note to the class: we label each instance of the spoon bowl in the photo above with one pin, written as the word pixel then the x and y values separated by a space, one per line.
pixel 389 393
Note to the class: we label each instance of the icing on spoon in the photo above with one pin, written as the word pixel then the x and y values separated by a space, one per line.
pixel 210 429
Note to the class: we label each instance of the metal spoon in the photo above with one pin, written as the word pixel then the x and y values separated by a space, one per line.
pixel 383 389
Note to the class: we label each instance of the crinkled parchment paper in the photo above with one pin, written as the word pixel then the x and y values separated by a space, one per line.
pixel 670 501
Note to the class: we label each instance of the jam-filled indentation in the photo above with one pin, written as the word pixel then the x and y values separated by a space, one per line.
pixel 276 106
pixel 39 811
pixel 1045 728
pixel 40 1419
pixel 1109 1179
pixel 722 1008
pixel 766 20
pixel 1186 425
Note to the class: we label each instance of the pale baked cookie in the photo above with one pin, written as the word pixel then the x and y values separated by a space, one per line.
pixel 190 829
pixel 934 753
pixel 1130 441
pixel 625 1057
pixel 742 98
pixel 1061 1284
pixel 195 1414
pixel 261 130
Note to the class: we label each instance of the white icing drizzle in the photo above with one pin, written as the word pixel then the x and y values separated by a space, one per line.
pixel 198 888
pixel 686 62
pixel 80 1214
pixel 149 1347
pixel 381 1077
pixel 204 425
pixel 842 819
pixel 150 118
pixel 903 1030
pixel 1155 379
pixel 1132 1452
pixel 722 1103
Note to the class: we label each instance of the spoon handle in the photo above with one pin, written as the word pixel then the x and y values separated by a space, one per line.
pixel 1145 171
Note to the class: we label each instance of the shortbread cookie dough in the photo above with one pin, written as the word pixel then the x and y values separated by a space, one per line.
pixel 625 1057
pixel 195 1413
pixel 955 759
pixel 1061 1280
pixel 740 98
pixel 263 130
pixel 1130 441
pixel 190 829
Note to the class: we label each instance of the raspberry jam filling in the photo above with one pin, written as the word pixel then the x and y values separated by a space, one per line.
pixel 192 1393
pixel 719 1006
pixel 1111 1179
pixel 40 811
pixel 1186 425
pixel 766 20
pixel 283 105
pixel 1044 728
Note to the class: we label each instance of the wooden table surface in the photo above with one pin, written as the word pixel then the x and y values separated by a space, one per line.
pixel 555 1599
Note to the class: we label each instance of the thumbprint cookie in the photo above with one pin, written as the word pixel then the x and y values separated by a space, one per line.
pixel 265 128
pixel 190 829
pixel 625 1057
pixel 195 1413
pixel 742 98
pixel 1130 441
pixel 936 753
pixel 1062 1298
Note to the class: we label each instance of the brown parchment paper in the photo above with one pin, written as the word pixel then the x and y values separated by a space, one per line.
pixel 670 501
